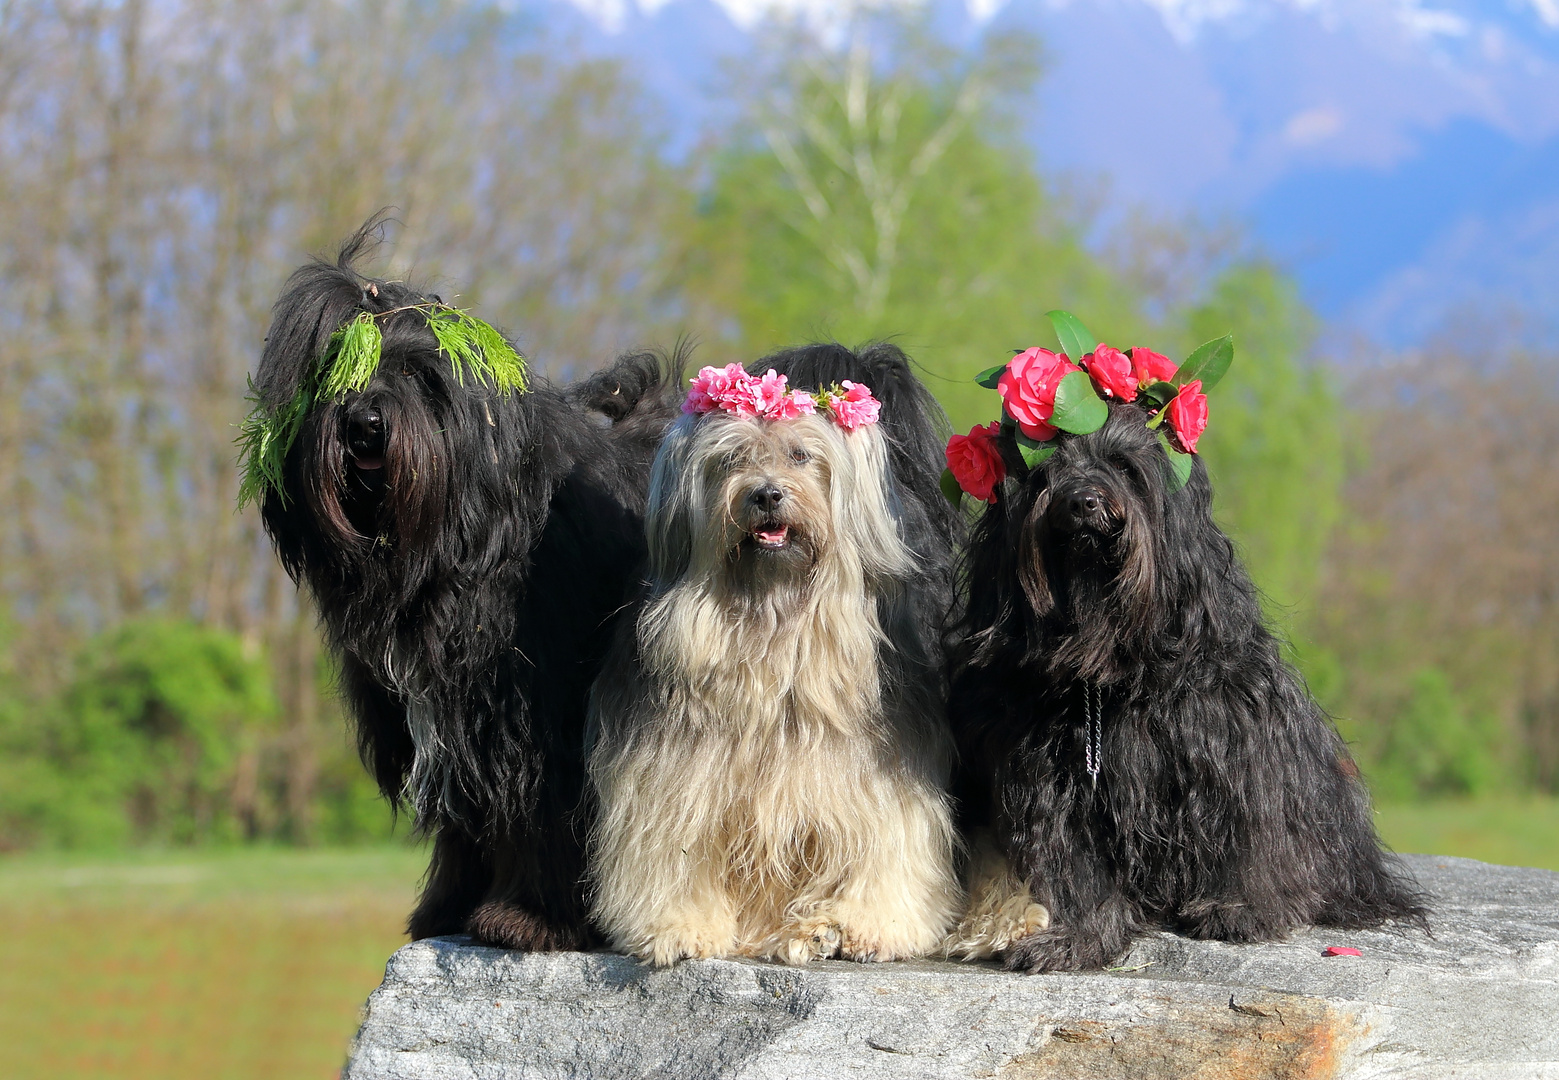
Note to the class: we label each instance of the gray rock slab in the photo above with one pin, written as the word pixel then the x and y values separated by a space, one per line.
pixel 1479 1000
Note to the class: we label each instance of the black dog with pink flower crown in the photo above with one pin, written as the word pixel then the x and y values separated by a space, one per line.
pixel 1044 394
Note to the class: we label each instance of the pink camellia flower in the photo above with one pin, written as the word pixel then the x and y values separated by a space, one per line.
pixel 793 404
pixel 1028 389
pixel 768 395
pixel 1188 415
pixel 855 407
pixel 1148 366
pixel 1111 371
pixel 976 462
pixel 718 388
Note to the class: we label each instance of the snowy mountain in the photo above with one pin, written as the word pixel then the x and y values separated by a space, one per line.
pixel 1400 156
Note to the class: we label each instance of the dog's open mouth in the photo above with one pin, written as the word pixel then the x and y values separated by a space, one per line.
pixel 771 535
pixel 368 462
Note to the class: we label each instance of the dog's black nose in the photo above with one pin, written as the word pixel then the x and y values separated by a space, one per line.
pixel 365 433
pixel 1083 505
pixel 767 498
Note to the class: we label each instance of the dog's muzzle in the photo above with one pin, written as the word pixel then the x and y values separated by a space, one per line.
pixel 768 529
pixel 365 438
pixel 1081 509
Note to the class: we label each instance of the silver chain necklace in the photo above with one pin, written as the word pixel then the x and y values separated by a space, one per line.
pixel 1093 712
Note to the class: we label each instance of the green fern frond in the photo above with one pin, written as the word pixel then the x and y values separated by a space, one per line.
pixel 263 440
pixel 474 346
pixel 353 356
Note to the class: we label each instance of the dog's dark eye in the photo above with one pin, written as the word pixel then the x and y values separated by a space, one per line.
pixel 800 456
pixel 1120 464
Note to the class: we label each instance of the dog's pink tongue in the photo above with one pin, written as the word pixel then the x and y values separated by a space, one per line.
pixel 773 536
pixel 368 464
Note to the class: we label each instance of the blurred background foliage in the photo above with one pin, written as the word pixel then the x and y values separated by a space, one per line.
pixel 165 165
pixel 176 778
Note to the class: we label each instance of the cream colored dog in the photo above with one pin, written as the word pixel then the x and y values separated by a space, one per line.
pixel 770 752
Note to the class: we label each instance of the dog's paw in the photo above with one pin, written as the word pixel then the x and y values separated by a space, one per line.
pixel 869 945
pixel 1032 919
pixel 984 934
pixel 871 932
pixel 667 945
pixel 509 927
pixel 816 938
pixel 1237 923
pixel 1057 949
pixel 866 943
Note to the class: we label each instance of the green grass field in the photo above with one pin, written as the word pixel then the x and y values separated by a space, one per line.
pixel 249 963
pixel 1521 832
pixel 254 963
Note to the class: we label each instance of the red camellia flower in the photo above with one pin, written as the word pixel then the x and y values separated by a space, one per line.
pixel 1112 372
pixel 976 462
pixel 1028 389
pixel 1188 415
pixel 1148 366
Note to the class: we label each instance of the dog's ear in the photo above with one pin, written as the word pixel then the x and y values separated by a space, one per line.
pixel 1138 546
pixel 323 477
pixel 865 502
pixel 1031 556
pixel 418 457
pixel 675 493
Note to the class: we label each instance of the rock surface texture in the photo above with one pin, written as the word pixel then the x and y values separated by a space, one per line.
pixel 1479 999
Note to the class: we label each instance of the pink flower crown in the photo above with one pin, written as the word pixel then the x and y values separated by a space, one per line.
pixel 730 389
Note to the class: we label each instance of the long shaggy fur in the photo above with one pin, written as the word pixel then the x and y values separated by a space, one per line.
pixel 916 430
pixel 771 750
pixel 1226 805
pixel 468 552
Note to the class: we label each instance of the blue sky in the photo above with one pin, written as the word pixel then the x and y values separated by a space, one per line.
pixel 1401 157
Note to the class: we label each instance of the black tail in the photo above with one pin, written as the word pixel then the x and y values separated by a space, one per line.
pixel 634 383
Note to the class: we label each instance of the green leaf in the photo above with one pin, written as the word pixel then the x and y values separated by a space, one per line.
pixel 988 377
pixel 1074 337
pixel 1179 464
pixel 1162 393
pixel 1208 362
pixel 263 441
pixel 350 360
pixel 1079 409
pixel 475 347
pixel 353 356
pixel 1036 455
pixel 950 489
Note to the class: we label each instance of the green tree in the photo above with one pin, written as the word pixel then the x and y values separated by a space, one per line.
pixel 1274 444
pixel 880 190
pixel 1435 746
pixel 149 733
pixel 36 802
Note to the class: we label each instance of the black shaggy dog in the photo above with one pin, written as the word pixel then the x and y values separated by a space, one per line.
pixel 1225 805
pixel 468 550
